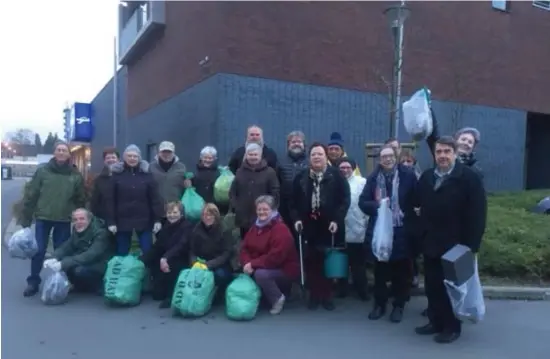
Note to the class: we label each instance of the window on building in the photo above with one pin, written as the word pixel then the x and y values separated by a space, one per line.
pixel 542 4
pixel 152 150
pixel 500 5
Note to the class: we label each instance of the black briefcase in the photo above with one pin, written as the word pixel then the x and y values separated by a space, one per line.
pixel 458 264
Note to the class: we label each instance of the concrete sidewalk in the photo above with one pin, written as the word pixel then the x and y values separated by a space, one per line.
pixel 490 292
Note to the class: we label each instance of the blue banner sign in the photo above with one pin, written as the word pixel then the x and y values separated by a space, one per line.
pixel 82 126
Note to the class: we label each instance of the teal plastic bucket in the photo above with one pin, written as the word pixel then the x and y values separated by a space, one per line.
pixel 336 264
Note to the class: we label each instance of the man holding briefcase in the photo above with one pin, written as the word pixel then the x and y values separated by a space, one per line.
pixel 453 210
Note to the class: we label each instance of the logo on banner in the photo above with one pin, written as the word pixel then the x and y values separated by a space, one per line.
pixel 82 120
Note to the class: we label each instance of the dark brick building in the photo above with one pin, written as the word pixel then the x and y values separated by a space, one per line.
pixel 199 73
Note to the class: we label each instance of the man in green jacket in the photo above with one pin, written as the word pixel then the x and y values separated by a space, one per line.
pixel 55 191
pixel 85 255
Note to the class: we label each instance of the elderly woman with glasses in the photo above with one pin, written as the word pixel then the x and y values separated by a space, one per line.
pixel 269 255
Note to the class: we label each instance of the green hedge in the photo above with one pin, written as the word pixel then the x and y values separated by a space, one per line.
pixel 516 244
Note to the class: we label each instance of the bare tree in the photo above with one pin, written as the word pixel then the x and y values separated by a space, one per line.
pixel 22 136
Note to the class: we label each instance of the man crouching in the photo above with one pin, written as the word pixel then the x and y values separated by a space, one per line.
pixel 85 255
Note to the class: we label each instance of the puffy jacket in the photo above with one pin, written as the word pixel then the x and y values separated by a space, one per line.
pixel 356 220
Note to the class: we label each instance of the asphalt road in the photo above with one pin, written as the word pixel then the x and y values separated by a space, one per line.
pixel 85 329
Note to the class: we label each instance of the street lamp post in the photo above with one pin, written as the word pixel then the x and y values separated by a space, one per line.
pixel 397 16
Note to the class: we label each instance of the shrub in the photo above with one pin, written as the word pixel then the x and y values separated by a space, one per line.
pixel 517 242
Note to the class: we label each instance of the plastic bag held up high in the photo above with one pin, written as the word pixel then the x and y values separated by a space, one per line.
pixel 382 239
pixel 56 289
pixel 22 244
pixel 467 299
pixel 193 204
pixel 222 186
pixel 417 116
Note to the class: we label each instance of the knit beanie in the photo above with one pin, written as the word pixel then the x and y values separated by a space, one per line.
pixel 472 131
pixel 133 148
pixel 336 140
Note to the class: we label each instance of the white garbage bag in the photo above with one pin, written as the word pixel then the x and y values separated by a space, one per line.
pixel 467 299
pixel 382 239
pixel 22 244
pixel 417 116
pixel 56 289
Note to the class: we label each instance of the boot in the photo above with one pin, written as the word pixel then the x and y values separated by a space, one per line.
pixel 396 315
pixel 31 290
pixel 446 337
pixel 328 305
pixel 428 329
pixel 313 304
pixel 378 312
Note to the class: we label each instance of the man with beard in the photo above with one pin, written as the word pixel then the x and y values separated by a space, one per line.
pixel 254 134
pixel 293 163
pixel 336 151
pixel 453 209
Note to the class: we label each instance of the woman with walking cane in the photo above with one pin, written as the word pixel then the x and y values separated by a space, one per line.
pixel 321 198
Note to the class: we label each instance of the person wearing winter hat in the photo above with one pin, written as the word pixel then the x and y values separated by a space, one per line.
pixel 336 151
pixel 133 202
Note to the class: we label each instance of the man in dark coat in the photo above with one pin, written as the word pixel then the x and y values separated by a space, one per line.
pixel 453 210
pixel 254 134
pixel 289 166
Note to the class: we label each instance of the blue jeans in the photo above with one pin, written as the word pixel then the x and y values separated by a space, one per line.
pixel 61 232
pixel 124 242
pixel 222 278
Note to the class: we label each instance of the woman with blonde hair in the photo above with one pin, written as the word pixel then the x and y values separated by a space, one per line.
pixel 211 244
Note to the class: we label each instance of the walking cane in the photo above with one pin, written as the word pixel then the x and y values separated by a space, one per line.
pixel 302 276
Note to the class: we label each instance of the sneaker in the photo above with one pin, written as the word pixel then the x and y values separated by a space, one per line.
pixel 278 306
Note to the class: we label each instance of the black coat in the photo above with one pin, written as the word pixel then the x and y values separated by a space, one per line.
pixel 100 191
pixel 453 214
pixel 237 157
pixel 133 200
pixel 212 244
pixel 204 179
pixel 288 168
pixel 335 201
pixel 172 243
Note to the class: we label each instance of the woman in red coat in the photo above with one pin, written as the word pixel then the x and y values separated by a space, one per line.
pixel 268 253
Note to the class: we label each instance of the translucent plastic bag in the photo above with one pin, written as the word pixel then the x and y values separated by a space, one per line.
pixel 467 300
pixel 417 116
pixel 382 239
pixel 242 298
pixel 193 204
pixel 56 289
pixel 22 244
pixel 194 293
pixel 222 186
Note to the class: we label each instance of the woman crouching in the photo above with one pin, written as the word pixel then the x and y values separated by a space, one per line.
pixel 321 198
pixel 212 245
pixel 269 254
pixel 397 183
pixel 169 254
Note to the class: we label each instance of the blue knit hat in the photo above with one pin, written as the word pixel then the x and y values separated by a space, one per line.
pixel 336 140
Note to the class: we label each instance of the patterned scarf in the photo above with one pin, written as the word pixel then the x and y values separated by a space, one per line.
pixel 397 214
pixel 317 177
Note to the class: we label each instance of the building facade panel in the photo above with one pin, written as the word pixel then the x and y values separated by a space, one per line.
pixel 464 51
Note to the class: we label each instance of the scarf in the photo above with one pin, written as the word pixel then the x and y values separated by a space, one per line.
pixel 262 224
pixel 317 177
pixel 397 214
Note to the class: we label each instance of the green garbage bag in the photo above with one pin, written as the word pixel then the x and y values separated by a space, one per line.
pixel 222 186
pixel 194 292
pixel 123 280
pixel 193 204
pixel 242 298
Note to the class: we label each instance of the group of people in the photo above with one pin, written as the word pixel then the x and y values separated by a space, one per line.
pixel 315 195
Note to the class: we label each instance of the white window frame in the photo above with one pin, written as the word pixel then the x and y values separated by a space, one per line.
pixel 500 5
pixel 544 5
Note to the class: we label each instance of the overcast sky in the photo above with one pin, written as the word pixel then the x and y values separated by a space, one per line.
pixel 53 52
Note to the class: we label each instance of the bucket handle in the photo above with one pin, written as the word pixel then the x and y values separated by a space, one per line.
pixel 334 247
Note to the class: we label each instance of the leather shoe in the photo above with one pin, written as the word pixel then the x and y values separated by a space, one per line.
pixel 428 329
pixel 30 291
pixel 446 337
pixel 377 313
pixel 328 305
pixel 396 315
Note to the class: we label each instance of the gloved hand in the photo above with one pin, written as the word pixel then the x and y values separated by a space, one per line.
pixel 112 229
pixel 200 265
pixel 156 227
pixel 56 266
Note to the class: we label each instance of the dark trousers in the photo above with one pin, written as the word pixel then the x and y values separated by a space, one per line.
pixel 440 310
pixel 124 241
pixel 163 283
pixel 320 287
pixel 399 273
pixel 357 258
pixel 244 231
pixel 85 279
pixel 61 231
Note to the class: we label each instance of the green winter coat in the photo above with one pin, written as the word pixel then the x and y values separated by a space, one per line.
pixel 170 183
pixel 91 248
pixel 53 193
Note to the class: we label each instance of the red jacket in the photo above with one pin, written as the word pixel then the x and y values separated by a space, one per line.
pixel 271 247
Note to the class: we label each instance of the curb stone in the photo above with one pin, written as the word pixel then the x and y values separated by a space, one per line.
pixel 489 292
